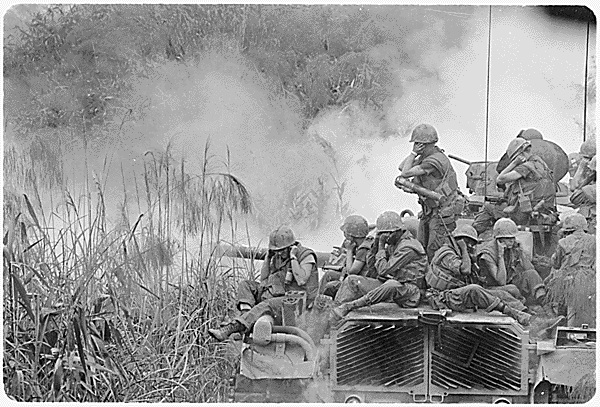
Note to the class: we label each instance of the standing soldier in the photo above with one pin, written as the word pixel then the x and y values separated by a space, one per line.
pixel 572 282
pixel 505 265
pixel 584 184
pixel 400 263
pixel 357 246
pixel 529 183
pixel 288 266
pixel 432 171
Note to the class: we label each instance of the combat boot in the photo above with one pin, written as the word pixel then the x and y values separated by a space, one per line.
pixel 343 310
pixel 522 318
pixel 223 333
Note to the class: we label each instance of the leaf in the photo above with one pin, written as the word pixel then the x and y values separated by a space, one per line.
pixel 31 211
pixel 57 377
pixel 24 297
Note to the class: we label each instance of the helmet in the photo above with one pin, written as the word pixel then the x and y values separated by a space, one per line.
pixel 355 226
pixel 389 222
pixel 465 231
pixel 281 238
pixel 516 146
pixel 574 221
pixel 588 148
pixel 505 227
pixel 424 133
pixel 530 134
pixel 592 164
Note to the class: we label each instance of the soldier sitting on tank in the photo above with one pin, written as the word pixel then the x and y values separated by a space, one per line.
pixel 288 266
pixel 572 282
pixel 584 184
pixel 529 183
pixel 433 171
pixel 400 263
pixel 505 265
pixel 487 216
pixel 357 245
pixel 454 266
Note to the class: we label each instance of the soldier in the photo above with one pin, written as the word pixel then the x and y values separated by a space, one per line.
pixel 451 269
pixel 529 134
pixel 529 183
pixel 584 184
pixel 505 265
pixel 572 282
pixel 400 263
pixel 433 171
pixel 288 266
pixel 487 216
pixel 357 246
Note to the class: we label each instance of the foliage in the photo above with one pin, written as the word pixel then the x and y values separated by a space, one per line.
pixel 97 314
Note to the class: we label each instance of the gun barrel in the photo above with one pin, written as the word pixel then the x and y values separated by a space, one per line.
pixel 419 190
pixel 259 253
pixel 462 160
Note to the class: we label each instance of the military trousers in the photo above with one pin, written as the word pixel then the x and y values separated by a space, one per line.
pixel 330 283
pixel 251 292
pixel 406 295
pixel 271 306
pixel 434 228
pixel 470 297
pixel 528 282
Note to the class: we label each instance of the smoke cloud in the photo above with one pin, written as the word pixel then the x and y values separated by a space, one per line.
pixel 435 60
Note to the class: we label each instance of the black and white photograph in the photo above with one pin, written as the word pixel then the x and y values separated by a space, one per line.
pixel 299 203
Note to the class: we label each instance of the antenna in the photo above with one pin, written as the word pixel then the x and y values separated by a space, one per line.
pixel 487 104
pixel 585 81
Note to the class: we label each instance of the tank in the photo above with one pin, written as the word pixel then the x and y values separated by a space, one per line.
pixel 386 354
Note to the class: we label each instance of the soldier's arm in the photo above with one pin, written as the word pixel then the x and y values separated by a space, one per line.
pixel 580 174
pixel 397 261
pixel 302 270
pixel 495 271
pixel 264 270
pixel 557 258
pixel 512 172
pixel 451 262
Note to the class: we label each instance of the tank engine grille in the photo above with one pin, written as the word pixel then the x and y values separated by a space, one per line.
pixel 468 357
pixel 380 355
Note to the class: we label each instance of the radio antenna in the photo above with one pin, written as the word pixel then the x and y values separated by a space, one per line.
pixel 585 81
pixel 487 104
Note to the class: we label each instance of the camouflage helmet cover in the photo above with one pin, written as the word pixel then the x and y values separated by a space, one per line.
pixel 424 133
pixel 588 148
pixel 465 231
pixel 505 227
pixel 516 146
pixel 281 238
pixel 355 226
pixel 389 221
pixel 574 221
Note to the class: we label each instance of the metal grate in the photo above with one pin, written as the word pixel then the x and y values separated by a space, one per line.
pixel 487 357
pixel 380 355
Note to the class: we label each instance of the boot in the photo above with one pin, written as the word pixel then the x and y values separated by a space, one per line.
pixel 343 310
pixel 522 318
pixel 223 333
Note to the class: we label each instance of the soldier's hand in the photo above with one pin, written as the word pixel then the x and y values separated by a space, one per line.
pixel 349 245
pixel 293 251
pixel 418 148
pixel 463 246
pixel 383 237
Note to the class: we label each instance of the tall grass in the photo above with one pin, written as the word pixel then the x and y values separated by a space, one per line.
pixel 96 313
